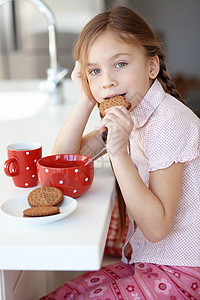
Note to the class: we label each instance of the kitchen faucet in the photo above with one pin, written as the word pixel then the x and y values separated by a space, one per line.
pixel 55 74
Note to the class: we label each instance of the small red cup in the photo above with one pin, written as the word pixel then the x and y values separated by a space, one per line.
pixel 21 163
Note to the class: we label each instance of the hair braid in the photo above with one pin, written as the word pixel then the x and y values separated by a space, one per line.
pixel 168 84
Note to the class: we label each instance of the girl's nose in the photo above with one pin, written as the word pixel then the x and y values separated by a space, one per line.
pixel 109 83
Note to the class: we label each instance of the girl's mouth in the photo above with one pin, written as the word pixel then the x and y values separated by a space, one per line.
pixel 115 95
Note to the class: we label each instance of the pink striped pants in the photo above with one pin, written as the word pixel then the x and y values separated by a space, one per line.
pixel 138 281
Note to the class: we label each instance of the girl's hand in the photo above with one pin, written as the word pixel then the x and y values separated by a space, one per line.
pixel 119 124
pixel 76 78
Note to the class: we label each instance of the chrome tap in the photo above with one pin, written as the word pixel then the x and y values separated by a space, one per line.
pixel 55 74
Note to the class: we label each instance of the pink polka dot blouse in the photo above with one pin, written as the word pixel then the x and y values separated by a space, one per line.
pixel 165 132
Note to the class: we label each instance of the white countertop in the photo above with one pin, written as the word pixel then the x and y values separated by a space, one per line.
pixel 77 241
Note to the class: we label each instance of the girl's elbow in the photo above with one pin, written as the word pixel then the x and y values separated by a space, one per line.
pixel 157 235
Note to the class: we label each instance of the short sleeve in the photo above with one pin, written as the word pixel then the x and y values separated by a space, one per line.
pixel 172 139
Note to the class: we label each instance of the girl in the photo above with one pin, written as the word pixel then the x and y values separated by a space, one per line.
pixel 154 152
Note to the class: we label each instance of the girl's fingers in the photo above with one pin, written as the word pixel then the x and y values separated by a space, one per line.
pixel 117 110
pixel 76 76
pixel 118 115
pixel 76 73
pixel 119 124
pixel 77 80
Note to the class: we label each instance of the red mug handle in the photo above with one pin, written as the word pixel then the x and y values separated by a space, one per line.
pixel 15 169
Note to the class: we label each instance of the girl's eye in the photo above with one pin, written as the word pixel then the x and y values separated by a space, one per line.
pixel 94 71
pixel 121 64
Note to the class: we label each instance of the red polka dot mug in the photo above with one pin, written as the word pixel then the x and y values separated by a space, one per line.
pixel 21 163
pixel 68 172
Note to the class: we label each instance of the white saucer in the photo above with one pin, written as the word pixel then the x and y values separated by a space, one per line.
pixel 13 208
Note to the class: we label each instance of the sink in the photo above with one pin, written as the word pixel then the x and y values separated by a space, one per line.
pixel 21 99
pixel 20 104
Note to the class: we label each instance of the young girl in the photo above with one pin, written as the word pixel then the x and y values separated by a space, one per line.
pixel 154 152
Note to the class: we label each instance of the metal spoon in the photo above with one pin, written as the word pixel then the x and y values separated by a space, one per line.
pixel 104 138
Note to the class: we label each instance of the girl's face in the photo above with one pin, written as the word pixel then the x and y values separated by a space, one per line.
pixel 115 67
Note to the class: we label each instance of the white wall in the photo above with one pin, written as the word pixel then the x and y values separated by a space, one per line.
pixel 70 15
pixel 75 14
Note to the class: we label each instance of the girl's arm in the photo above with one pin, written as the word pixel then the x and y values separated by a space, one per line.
pixel 153 208
pixel 70 138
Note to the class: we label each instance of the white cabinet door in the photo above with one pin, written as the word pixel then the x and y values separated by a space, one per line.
pixel 26 285
pixel 31 285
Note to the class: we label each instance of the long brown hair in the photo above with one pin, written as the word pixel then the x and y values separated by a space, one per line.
pixel 131 28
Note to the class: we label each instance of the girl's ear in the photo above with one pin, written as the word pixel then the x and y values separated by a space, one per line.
pixel 154 67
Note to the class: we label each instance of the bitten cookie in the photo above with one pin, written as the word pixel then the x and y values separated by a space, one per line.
pixel 41 211
pixel 114 101
pixel 45 196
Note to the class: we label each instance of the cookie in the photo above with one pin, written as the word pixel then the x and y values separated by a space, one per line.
pixel 114 101
pixel 45 196
pixel 41 211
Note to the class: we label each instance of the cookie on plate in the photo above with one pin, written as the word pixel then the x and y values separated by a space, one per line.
pixel 45 196
pixel 41 211
pixel 114 101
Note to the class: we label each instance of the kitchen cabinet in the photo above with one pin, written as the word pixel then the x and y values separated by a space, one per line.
pixel 23 285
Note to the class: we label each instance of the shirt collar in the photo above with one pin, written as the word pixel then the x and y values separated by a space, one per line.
pixel 148 104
